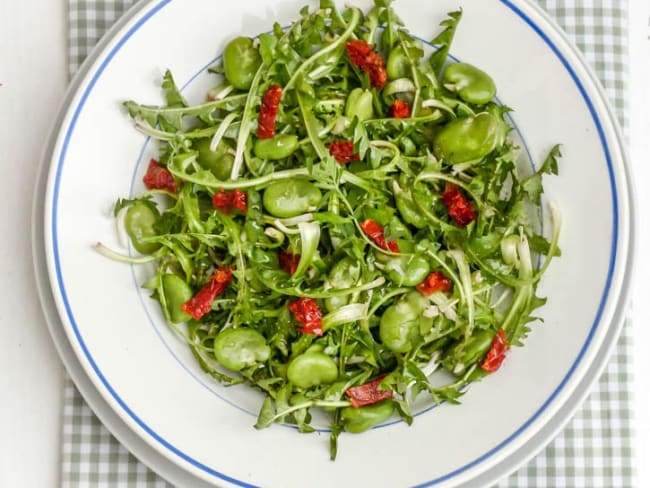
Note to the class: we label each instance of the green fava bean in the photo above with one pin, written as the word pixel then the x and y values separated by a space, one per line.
pixel 344 274
pixel 464 354
pixel 417 301
pixel 312 369
pixel 279 147
pixel 289 198
pixel 408 209
pixel 397 65
pixel 241 60
pixel 357 420
pixel 467 139
pixel 359 105
pixel 240 348
pixel 139 222
pixel 408 270
pixel 471 84
pixel 399 327
pixel 219 162
pixel 177 292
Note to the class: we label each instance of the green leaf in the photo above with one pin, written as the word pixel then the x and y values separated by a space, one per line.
pixel 128 202
pixel 172 93
pixel 532 186
pixel 361 140
pixel 335 431
pixel 268 43
pixel 444 40
pixel 267 414
pixel 541 245
pixel 486 245
pixel 173 116
pixel 550 165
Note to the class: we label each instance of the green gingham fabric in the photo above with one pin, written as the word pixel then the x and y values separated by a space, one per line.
pixel 595 448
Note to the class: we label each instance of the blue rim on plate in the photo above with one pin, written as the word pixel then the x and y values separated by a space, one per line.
pixel 213 472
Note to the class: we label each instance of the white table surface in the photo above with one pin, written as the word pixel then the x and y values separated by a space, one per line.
pixel 33 76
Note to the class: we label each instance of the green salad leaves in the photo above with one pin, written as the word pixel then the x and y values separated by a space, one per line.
pixel 343 216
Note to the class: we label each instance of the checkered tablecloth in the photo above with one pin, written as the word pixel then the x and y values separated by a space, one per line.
pixel 593 451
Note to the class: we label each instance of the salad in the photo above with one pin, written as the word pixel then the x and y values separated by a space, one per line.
pixel 343 216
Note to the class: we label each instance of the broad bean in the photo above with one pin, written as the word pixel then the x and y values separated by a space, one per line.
pixel 177 292
pixel 240 348
pixel 359 104
pixel 219 162
pixel 357 420
pixel 312 369
pixel 401 323
pixel 344 274
pixel 241 60
pixel 139 223
pixel 467 139
pixel 279 147
pixel 472 84
pixel 408 270
pixel 289 198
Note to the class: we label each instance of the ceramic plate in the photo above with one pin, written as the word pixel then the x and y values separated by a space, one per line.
pixel 146 376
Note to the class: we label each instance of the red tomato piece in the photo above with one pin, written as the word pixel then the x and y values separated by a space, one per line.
pixel 158 177
pixel 225 201
pixel 497 352
pixel 343 151
pixel 358 51
pixel 222 201
pixel 460 210
pixel 268 112
pixel 436 281
pixel 289 262
pixel 201 303
pixel 240 200
pixel 307 313
pixel 400 109
pixel 368 393
pixel 376 232
pixel 362 55
pixel 376 71
pixel 392 246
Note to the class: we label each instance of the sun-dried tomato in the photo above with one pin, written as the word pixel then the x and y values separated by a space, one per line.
pixel 240 200
pixel 497 352
pixel 358 51
pixel 222 201
pixel 376 232
pixel 289 262
pixel 362 54
pixel 368 393
pixel 158 177
pixel 201 303
pixel 400 109
pixel 268 112
pixel 225 201
pixel 307 313
pixel 436 281
pixel 343 151
pixel 458 207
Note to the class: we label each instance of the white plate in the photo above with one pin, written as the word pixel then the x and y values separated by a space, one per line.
pixel 149 379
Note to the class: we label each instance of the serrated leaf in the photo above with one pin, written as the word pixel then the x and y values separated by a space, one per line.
pixel 268 42
pixel 550 165
pixel 266 415
pixel 444 40
pixel 541 245
pixel 172 93
pixel 532 186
